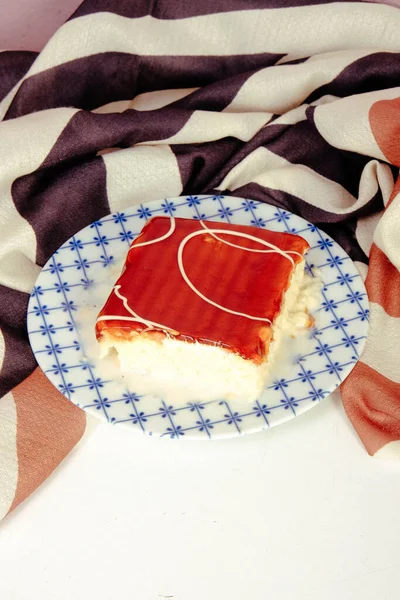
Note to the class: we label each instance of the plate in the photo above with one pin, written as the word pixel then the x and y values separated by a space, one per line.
pixel 95 255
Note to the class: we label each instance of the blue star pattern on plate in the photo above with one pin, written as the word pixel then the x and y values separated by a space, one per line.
pixel 333 348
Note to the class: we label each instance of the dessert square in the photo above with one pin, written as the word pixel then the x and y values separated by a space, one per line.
pixel 202 305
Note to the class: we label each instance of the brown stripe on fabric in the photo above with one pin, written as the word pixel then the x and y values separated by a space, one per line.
pixel 345 236
pixel 215 96
pixel 95 80
pixel 202 164
pixel 89 133
pixel 86 133
pixel 377 71
pixel 312 213
pixel 61 200
pixel 384 118
pixel 302 143
pixel 18 360
pixel 383 283
pixel 48 427
pixel 372 403
pixel 13 66
pixel 179 9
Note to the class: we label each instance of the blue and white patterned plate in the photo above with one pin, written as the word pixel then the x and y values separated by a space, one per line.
pixel 65 284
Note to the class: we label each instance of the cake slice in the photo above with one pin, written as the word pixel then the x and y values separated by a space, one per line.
pixel 201 306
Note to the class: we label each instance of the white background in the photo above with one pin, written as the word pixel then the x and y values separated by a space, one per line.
pixel 300 512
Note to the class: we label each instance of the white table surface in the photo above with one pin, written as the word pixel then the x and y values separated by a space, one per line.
pixel 299 512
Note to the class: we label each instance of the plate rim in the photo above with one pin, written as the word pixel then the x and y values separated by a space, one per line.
pixel 193 435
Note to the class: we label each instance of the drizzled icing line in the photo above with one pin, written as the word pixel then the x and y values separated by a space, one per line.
pixel 284 253
pixel 153 325
pixel 135 317
pixel 160 239
pixel 196 291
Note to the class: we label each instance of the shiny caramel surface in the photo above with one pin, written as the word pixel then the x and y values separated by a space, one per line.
pixel 220 280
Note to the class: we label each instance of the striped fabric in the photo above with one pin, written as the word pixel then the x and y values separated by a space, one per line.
pixel 291 102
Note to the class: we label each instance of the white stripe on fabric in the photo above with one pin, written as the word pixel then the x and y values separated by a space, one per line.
pixel 24 144
pixel 387 233
pixel 365 231
pixel 292 116
pixel 374 176
pixel 299 113
pixel 298 31
pixel 203 126
pixel 147 101
pixel 140 174
pixel 281 30
pixel 8 453
pixel 382 349
pixel 17 271
pixel 272 171
pixel 345 124
pixel 279 89
pixel 362 269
